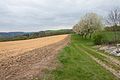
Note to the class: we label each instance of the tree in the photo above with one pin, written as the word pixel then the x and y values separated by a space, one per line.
pixel 89 24
pixel 114 20
pixel 114 17
pixel 76 28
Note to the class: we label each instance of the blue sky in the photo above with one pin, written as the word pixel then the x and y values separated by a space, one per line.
pixel 37 15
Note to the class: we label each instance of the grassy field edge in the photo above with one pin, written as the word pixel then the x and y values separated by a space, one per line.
pixel 75 64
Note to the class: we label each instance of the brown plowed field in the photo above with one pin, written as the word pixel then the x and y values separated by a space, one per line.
pixel 23 60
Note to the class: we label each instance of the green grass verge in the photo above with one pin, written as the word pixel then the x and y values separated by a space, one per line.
pixel 77 65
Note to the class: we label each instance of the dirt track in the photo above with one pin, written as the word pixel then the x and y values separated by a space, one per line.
pixel 23 60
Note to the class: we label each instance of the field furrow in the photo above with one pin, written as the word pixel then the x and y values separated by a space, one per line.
pixel 33 61
pixel 14 48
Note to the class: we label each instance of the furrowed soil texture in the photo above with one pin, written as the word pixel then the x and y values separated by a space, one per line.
pixel 23 60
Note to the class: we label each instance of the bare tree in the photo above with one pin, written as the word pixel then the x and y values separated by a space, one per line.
pixel 114 17
pixel 114 20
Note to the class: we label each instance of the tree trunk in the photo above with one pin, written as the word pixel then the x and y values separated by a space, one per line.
pixel 90 36
pixel 85 35
pixel 115 37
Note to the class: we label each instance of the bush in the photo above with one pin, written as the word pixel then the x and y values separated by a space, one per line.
pixel 98 39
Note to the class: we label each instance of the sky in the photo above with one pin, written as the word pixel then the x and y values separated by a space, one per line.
pixel 37 15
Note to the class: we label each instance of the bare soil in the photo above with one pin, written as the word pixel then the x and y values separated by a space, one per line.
pixel 24 60
pixel 14 48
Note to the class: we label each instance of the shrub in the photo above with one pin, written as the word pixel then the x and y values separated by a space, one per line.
pixel 98 39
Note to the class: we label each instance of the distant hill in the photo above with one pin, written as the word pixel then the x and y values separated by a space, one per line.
pixel 10 34
pixel 23 36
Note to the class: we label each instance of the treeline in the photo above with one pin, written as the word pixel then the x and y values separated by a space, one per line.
pixel 112 28
pixel 38 34
pixel 10 34
pixel 91 26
